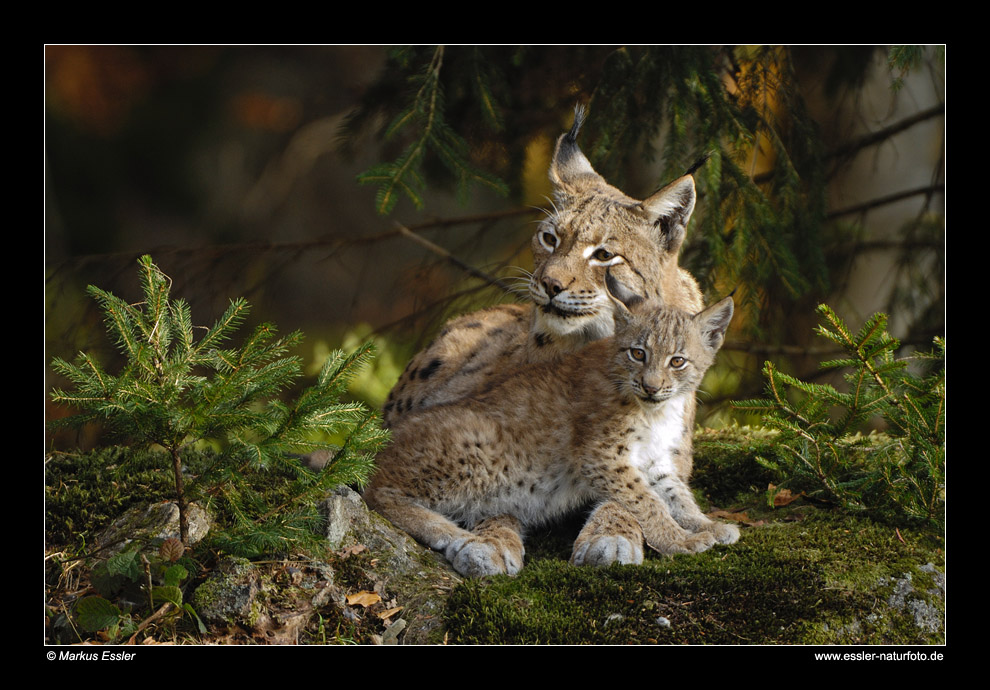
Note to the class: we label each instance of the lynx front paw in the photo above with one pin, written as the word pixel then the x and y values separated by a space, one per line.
pixel 477 557
pixel 687 543
pixel 725 534
pixel 604 551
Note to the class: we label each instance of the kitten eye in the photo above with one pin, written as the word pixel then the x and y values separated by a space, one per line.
pixel 677 362
pixel 637 354
pixel 602 254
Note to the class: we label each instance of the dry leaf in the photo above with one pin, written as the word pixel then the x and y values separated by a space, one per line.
pixel 391 612
pixel 352 550
pixel 365 599
pixel 726 515
pixel 783 497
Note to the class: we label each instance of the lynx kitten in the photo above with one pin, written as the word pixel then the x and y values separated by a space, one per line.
pixel 604 424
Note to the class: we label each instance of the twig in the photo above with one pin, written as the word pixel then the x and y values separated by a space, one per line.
pixel 322 242
pixel 149 620
pixel 889 199
pixel 887 132
pixel 872 138
pixel 766 350
pixel 440 251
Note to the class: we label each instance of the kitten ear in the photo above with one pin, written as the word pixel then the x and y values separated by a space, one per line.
pixel 615 291
pixel 618 291
pixel 569 164
pixel 714 321
pixel 669 211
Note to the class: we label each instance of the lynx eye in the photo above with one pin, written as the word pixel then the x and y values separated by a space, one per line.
pixel 637 354
pixel 602 254
pixel 548 238
pixel 677 362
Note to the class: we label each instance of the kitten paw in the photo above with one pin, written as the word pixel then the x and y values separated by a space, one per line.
pixel 695 542
pixel 725 533
pixel 475 557
pixel 604 551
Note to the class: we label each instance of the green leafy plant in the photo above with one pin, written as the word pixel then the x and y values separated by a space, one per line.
pixel 133 577
pixel 899 474
pixel 228 438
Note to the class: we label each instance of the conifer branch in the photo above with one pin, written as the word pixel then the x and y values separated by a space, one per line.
pixel 878 385
pixel 159 400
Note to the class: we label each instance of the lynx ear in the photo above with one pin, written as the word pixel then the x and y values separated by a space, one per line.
pixel 714 321
pixel 569 164
pixel 669 211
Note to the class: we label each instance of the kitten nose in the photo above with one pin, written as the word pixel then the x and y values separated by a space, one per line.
pixel 648 389
pixel 552 286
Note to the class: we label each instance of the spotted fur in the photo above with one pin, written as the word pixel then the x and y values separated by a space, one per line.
pixel 595 235
pixel 606 424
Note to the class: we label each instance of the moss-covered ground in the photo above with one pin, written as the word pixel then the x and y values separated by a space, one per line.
pixel 800 574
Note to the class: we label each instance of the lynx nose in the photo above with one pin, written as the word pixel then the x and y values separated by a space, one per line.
pixel 649 389
pixel 552 286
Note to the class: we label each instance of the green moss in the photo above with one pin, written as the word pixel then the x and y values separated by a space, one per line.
pixel 816 578
pixel 725 465
pixel 86 492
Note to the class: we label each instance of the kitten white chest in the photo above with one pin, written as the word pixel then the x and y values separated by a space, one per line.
pixel 662 434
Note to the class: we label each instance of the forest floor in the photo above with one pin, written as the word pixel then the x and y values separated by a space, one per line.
pixel 800 574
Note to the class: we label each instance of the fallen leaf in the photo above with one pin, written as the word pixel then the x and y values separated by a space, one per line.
pixel 783 497
pixel 365 599
pixel 352 550
pixel 391 612
pixel 726 515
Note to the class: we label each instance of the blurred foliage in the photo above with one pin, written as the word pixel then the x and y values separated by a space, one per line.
pixel 373 382
pixel 243 159
pixel 760 227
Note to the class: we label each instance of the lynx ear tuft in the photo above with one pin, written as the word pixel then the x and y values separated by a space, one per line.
pixel 579 117
pixel 698 163
pixel 569 163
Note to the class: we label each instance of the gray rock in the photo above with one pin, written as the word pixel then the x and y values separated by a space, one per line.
pixel 157 522
pixel 418 578
pixel 229 595
pixel 925 615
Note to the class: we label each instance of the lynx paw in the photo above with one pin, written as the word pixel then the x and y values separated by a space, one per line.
pixel 477 557
pixel 606 550
pixel 689 543
pixel 724 533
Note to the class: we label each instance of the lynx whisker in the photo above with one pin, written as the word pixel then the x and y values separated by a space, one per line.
pixel 547 212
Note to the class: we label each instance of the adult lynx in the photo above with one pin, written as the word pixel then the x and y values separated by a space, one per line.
pixel 595 235
pixel 604 424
